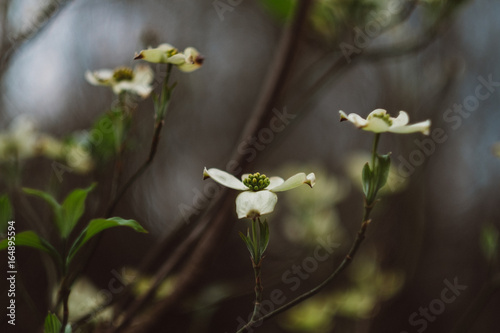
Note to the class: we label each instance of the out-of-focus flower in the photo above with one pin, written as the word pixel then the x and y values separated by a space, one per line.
pixel 50 147
pixel 313 214
pixel 187 61
pixel 137 81
pixel 379 121
pixel 19 141
pixel 496 149
pixel 258 196
pixel 78 157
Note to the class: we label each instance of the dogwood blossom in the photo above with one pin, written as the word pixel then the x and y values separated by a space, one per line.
pixel 258 195
pixel 379 121
pixel 187 61
pixel 137 81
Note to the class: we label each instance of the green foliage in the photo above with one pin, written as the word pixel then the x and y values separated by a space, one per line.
pixel 66 216
pixel 281 10
pixel 374 180
pixel 259 240
pixel 31 239
pixel 6 213
pixel 98 225
pixel 489 239
pixel 53 324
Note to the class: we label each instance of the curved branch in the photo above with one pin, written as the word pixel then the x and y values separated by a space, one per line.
pixel 272 90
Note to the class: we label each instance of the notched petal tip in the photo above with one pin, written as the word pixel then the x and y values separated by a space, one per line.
pixel 343 116
pixel 310 179
pixel 205 173
pixel 138 56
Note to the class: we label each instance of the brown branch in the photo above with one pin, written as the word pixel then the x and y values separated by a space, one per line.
pixel 343 265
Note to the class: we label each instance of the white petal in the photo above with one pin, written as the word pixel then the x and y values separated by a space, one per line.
pixel 377 125
pixel 177 59
pixel 311 179
pixel 295 181
pixel 423 127
pixel 376 113
pixel 251 204
pixel 274 182
pixel 152 55
pixel 165 47
pixel 193 60
pixel 401 120
pixel 143 74
pixel 224 178
pixel 354 118
pixel 100 77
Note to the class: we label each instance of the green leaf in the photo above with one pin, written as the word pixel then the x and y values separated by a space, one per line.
pixel 382 167
pixel 72 209
pixel 264 236
pixel 366 177
pixel 248 243
pixel 31 239
pixel 110 128
pixel 56 207
pixel 66 215
pixel 489 241
pixel 52 324
pixel 6 213
pixel 98 225
pixel 280 9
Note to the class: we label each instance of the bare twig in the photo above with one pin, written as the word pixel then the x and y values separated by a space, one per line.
pixel 214 235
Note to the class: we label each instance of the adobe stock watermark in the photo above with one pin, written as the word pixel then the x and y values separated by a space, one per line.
pixel 372 29
pixel 292 278
pixel 425 315
pixel 454 116
pixel 249 149
pixel 222 6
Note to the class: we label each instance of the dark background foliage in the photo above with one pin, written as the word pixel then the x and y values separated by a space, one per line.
pixel 422 234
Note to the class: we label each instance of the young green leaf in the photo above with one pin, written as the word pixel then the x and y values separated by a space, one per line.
pixel 383 164
pixel 52 324
pixel 56 207
pixel 31 239
pixel 72 209
pixel 6 213
pixel 366 177
pixel 98 225
pixel 490 239
pixel 264 236
pixel 248 243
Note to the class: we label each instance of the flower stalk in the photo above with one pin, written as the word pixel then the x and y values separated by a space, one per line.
pixel 256 244
pixel 377 172
pixel 161 104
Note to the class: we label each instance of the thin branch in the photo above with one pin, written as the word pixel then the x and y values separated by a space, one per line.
pixel 272 90
pixel 11 43
pixel 152 153
pixel 343 265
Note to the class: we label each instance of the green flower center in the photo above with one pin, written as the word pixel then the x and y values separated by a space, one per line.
pixel 384 117
pixel 256 182
pixel 172 52
pixel 123 74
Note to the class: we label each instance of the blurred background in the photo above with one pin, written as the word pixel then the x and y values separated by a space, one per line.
pixel 434 229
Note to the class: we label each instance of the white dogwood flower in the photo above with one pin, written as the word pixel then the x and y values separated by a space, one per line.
pixel 137 81
pixel 19 141
pixel 379 121
pixel 187 61
pixel 258 195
